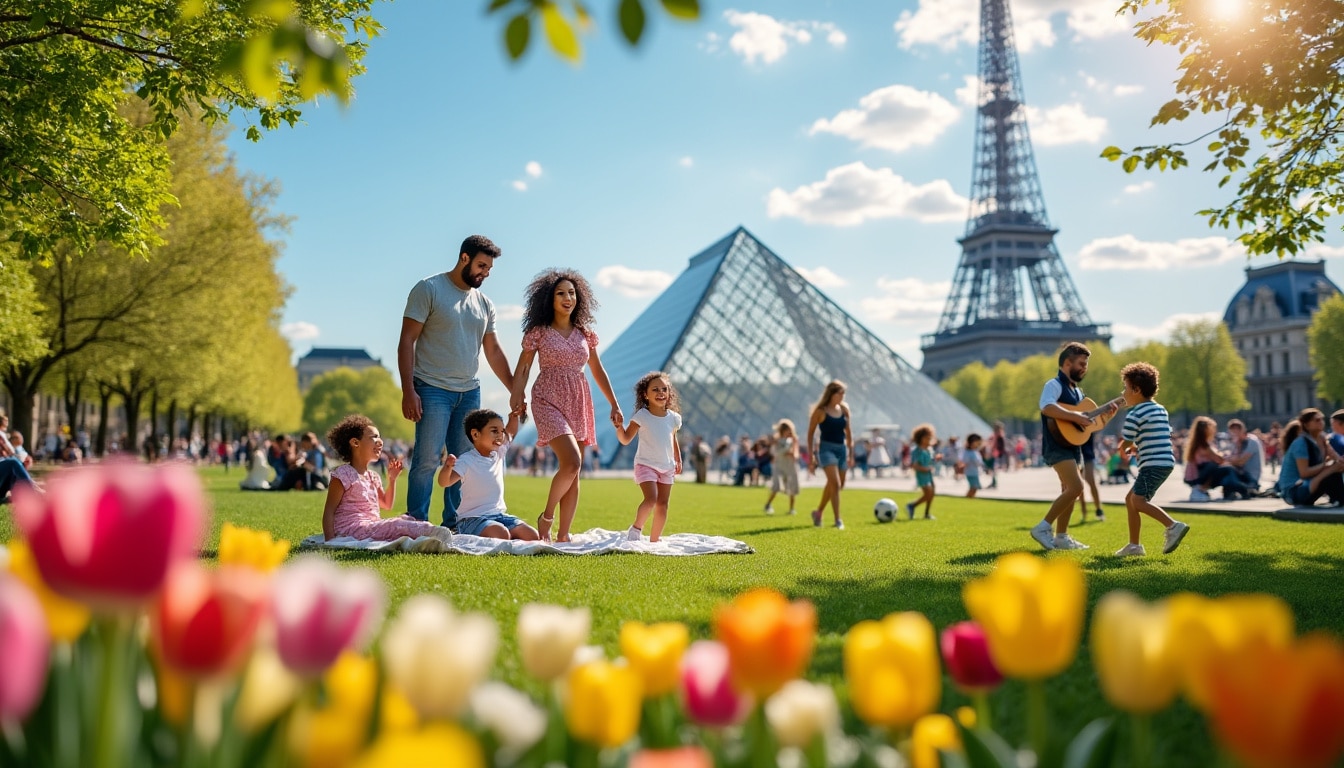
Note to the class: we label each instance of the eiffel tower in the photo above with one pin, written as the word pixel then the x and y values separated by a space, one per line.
pixel 1012 296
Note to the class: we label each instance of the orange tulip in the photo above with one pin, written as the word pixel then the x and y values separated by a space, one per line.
pixel 1212 632
pixel 1282 707
pixel 769 639
pixel 203 621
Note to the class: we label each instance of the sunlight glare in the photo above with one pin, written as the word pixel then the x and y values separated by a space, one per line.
pixel 1226 10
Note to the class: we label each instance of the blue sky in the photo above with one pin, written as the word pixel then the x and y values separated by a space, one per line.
pixel 839 133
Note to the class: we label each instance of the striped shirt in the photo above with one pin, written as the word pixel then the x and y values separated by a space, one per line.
pixel 1146 426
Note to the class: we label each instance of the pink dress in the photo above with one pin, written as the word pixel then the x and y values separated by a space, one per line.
pixel 357 512
pixel 562 404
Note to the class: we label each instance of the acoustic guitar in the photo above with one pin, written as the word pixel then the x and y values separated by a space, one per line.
pixel 1076 434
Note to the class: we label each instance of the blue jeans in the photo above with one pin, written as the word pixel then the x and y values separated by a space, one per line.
pixel 441 415
pixel 11 474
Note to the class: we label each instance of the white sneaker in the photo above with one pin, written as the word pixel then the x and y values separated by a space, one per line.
pixel 769 510
pixel 1199 494
pixel 1043 535
pixel 1068 542
pixel 793 511
pixel 633 534
pixel 1131 550
pixel 1171 538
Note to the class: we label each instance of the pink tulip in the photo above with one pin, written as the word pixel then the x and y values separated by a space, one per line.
pixel 321 609
pixel 707 692
pixel 966 654
pixel 24 646
pixel 107 534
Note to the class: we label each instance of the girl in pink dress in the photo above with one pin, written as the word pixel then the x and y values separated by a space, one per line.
pixel 356 493
pixel 557 331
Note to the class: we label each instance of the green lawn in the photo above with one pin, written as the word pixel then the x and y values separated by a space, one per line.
pixel 866 571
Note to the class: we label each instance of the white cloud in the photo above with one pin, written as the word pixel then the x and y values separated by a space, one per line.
pixel 894 118
pixel 1129 252
pixel 634 283
pixel 520 185
pixel 763 37
pixel 533 169
pixel 508 311
pixel 686 162
pixel 1103 87
pixel 1127 90
pixel 1323 251
pixel 822 277
pixel 300 331
pixel 1065 124
pixel 969 94
pixel 711 43
pixel 906 300
pixel 950 23
pixel 854 193
pixel 1140 188
pixel 1127 334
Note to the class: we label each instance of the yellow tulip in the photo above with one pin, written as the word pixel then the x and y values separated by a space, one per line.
pixel 436 744
pixel 655 651
pixel 1134 654
pixel 250 548
pixel 603 703
pixel 66 619
pixel 268 688
pixel 892 669
pixel 1032 611
pixel 933 733
pixel 334 734
pixel 1213 631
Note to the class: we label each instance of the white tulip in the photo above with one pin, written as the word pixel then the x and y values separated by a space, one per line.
pixel 436 656
pixel 801 711
pixel 516 722
pixel 268 688
pixel 548 635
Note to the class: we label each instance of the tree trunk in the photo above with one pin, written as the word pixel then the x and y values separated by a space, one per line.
pixel 104 409
pixel 73 385
pixel 132 401
pixel 192 415
pixel 154 415
pixel 171 428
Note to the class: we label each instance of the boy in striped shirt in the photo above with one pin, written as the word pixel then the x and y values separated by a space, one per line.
pixel 1147 433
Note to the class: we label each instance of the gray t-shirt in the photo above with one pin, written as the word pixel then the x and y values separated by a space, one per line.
pixel 448 352
pixel 1254 465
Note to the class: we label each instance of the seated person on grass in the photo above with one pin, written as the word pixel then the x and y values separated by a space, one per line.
pixel 1248 455
pixel 1206 468
pixel 1307 474
pixel 482 511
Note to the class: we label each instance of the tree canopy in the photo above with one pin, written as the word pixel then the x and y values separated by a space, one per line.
pixel 1325 344
pixel 562 30
pixel 372 392
pixel 1270 75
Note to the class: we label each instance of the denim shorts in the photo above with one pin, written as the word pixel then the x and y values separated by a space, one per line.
pixel 1149 480
pixel 1052 453
pixel 472 526
pixel 973 481
pixel 832 455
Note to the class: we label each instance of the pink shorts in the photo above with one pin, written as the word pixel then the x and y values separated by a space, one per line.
pixel 646 474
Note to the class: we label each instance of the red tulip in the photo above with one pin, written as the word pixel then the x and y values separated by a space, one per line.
pixel 24 647
pixel 107 534
pixel 966 654
pixel 707 691
pixel 321 609
pixel 204 621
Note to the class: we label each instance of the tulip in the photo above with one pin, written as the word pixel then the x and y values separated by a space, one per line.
pixel 321 610
pixel 683 757
pixel 801 712
pixel 335 733
pixel 24 647
pixel 654 651
pixel 1214 631
pixel 769 639
pixel 548 636
pixel 966 654
pixel 1277 707
pixel 1032 611
pixel 250 548
pixel 436 744
pixel 203 621
pixel 437 683
pixel 603 703
pixel 510 716
pixel 932 734
pixel 268 688
pixel 707 692
pixel 66 619
pixel 107 534
pixel 1133 653
pixel 892 669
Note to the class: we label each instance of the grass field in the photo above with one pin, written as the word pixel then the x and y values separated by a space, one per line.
pixel 865 571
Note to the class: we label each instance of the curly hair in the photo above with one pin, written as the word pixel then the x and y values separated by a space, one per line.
pixel 1141 376
pixel 921 432
pixel 539 306
pixel 478 420
pixel 642 391
pixel 350 428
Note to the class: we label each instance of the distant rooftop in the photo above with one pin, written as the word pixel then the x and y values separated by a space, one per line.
pixel 338 353
pixel 1298 288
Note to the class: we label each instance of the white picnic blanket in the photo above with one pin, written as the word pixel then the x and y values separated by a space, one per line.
pixel 595 541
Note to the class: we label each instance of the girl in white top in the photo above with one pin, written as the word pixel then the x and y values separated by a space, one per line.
pixel 658 457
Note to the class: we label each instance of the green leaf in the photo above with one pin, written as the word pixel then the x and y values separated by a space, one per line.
pixel 1093 746
pixel 1111 153
pixel 516 35
pixel 986 749
pixel 687 10
pixel 275 10
pixel 1131 163
pixel 495 5
pixel 37 21
pixel 632 20
pixel 949 759
pixel 559 33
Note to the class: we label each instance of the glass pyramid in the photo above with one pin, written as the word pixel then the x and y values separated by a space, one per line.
pixel 748 341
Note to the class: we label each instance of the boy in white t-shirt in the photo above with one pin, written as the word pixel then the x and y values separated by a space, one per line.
pixel 658 456
pixel 482 511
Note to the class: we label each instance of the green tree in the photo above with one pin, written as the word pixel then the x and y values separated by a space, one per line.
pixel 341 392
pixel 21 336
pixel 561 28
pixel 1325 345
pixel 1271 75
pixel 1204 372
pixel 968 385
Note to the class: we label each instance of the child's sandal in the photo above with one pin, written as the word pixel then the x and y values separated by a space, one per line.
pixel 544 526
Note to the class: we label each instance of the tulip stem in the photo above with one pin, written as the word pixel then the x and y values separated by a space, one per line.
pixel 1038 718
pixel 1142 732
pixel 112 687
pixel 983 713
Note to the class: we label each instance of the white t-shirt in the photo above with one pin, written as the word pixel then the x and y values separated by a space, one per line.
pixel 655 439
pixel 482 482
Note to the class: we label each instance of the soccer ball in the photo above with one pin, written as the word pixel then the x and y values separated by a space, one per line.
pixel 885 510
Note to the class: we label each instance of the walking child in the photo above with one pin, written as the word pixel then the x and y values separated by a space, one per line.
pixel 1147 434
pixel 973 462
pixel 658 456
pixel 356 493
pixel 482 511
pixel 921 460
pixel 785 477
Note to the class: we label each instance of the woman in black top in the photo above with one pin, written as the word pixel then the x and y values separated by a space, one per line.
pixel 834 452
